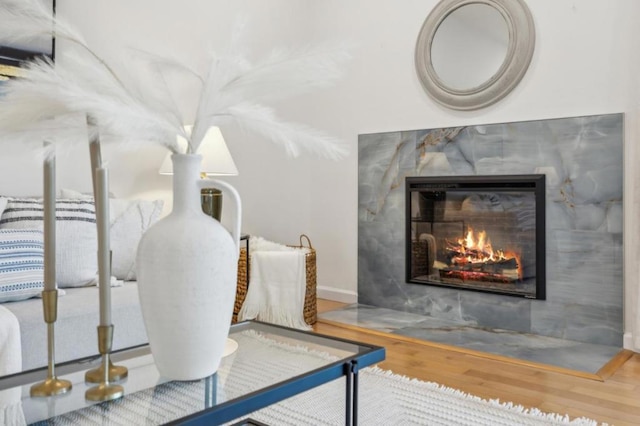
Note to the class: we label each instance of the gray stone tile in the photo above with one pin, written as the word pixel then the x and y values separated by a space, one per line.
pixel 380 319
pixel 564 353
pixel 582 160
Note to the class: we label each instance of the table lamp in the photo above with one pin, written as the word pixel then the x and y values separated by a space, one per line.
pixel 216 161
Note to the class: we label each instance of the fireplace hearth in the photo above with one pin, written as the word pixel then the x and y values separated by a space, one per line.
pixel 483 233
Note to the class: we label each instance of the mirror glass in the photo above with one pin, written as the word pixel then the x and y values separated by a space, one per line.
pixel 469 46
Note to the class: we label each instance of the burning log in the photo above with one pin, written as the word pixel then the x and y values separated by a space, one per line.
pixel 505 270
pixel 455 251
pixel 456 275
pixel 495 267
pixel 473 259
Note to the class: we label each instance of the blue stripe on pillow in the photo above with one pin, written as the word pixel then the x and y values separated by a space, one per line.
pixel 76 235
pixel 21 264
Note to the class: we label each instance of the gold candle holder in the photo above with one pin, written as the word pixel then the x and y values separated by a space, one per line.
pixel 105 391
pixel 52 385
pixel 116 373
pixel 107 372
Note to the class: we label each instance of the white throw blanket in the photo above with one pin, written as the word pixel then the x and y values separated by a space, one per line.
pixel 10 362
pixel 277 285
pixel 10 346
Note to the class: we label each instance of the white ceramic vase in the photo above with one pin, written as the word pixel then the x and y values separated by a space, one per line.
pixel 187 275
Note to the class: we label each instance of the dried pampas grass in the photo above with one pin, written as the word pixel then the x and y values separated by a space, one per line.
pixel 137 106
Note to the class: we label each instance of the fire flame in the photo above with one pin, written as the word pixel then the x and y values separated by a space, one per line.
pixel 478 249
pixel 474 258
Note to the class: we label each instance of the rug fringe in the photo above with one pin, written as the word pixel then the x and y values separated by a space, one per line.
pixel 533 412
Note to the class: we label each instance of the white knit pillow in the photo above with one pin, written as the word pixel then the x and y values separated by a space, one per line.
pixel 3 204
pixel 21 264
pixel 129 220
pixel 76 236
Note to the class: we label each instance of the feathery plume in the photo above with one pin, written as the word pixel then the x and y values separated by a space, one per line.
pixel 137 105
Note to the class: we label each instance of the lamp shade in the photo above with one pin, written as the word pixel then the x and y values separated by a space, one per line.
pixel 216 158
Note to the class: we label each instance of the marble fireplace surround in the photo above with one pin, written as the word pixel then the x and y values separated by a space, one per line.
pixel 582 159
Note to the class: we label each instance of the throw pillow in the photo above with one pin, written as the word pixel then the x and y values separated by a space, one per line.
pixel 129 220
pixel 76 235
pixel 3 204
pixel 21 264
pixel 72 194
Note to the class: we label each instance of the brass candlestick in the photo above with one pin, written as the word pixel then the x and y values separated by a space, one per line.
pixel 52 385
pixel 115 372
pixel 105 391
pixel 107 372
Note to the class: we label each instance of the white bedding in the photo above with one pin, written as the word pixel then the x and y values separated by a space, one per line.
pixel 10 346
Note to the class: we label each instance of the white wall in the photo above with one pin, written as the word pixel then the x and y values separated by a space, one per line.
pixel 586 62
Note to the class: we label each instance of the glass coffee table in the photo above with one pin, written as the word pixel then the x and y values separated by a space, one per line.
pixel 272 363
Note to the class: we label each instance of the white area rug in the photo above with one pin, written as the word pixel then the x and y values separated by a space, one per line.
pixel 388 399
pixel 385 399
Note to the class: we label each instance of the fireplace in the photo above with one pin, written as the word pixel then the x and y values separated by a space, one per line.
pixel 483 233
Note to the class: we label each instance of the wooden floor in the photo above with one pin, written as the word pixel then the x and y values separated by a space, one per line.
pixel 616 400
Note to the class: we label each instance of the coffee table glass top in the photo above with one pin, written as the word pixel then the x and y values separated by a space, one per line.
pixel 270 364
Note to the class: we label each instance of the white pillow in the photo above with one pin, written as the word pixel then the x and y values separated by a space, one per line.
pixel 129 220
pixel 76 235
pixel 3 204
pixel 72 194
pixel 21 264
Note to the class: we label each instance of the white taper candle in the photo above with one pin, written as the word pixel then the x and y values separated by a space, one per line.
pixel 49 175
pixel 104 255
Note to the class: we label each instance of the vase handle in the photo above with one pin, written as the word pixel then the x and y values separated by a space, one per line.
pixel 231 191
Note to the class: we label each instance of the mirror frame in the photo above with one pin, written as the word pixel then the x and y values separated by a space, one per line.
pixel 519 53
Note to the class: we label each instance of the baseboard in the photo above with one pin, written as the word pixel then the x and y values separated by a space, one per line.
pixel 337 294
pixel 627 341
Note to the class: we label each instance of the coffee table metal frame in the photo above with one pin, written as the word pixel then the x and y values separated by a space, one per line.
pixel 227 411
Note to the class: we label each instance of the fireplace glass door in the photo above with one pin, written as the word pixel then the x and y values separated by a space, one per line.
pixel 483 233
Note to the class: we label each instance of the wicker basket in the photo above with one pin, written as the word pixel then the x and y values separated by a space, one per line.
pixel 310 310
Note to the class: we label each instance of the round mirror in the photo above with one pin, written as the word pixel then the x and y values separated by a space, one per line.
pixel 471 53
pixel 472 37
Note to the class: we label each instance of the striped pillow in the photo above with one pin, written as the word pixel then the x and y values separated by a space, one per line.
pixel 21 264
pixel 76 236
